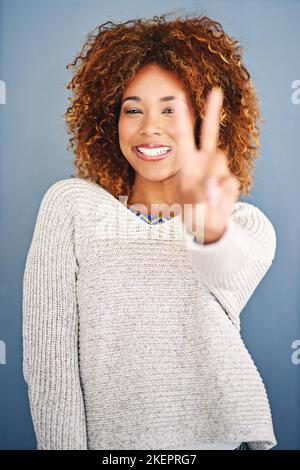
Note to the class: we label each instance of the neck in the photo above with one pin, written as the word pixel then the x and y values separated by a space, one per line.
pixel 153 197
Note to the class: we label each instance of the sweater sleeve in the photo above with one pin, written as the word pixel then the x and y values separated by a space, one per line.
pixel 233 266
pixel 50 327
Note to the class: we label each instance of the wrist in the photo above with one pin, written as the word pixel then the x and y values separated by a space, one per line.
pixel 209 237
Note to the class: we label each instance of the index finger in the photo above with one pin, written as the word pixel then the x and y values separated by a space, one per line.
pixel 211 123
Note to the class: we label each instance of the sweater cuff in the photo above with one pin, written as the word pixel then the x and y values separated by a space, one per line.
pixel 217 261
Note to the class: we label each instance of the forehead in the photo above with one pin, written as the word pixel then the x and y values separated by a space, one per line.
pixel 153 79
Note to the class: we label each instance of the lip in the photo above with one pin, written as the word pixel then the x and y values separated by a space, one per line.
pixel 148 158
pixel 152 146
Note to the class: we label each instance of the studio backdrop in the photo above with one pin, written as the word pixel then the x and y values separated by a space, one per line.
pixel 37 40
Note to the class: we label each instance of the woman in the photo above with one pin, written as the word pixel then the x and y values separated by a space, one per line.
pixel 141 264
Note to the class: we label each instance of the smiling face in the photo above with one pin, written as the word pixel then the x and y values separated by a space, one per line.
pixel 159 112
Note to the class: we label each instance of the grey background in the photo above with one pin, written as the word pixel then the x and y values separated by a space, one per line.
pixel 37 40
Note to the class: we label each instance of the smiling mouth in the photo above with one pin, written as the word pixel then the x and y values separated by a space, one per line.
pixel 155 154
pixel 147 157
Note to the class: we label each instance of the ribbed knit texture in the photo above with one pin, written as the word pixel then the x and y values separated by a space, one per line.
pixel 131 331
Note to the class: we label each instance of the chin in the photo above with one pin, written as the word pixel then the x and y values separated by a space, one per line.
pixel 156 175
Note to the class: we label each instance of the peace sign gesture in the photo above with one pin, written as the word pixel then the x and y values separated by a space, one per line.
pixel 207 189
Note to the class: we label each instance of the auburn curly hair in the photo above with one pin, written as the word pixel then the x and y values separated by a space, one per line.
pixel 201 54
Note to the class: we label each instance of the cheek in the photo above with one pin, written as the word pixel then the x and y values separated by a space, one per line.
pixel 126 130
pixel 121 128
pixel 184 123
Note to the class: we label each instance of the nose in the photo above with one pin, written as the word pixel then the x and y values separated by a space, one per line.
pixel 150 126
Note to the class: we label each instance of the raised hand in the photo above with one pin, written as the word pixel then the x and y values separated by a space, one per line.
pixel 207 188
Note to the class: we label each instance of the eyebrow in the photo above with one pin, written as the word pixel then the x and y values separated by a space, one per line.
pixel 137 98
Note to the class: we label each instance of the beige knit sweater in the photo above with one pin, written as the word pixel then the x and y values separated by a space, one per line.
pixel 132 331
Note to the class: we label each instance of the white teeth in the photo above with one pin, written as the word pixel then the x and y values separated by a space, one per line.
pixel 157 151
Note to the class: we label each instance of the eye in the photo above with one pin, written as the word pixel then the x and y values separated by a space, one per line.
pixel 132 111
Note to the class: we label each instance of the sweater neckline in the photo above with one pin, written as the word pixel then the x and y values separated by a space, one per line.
pixel 139 220
pixel 123 204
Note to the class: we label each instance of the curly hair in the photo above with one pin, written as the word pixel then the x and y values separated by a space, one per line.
pixel 201 54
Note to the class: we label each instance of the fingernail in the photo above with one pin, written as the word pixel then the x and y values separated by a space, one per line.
pixel 219 94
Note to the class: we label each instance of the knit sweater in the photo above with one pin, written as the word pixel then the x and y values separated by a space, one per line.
pixel 131 331
pixel 155 219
